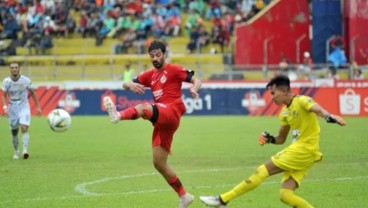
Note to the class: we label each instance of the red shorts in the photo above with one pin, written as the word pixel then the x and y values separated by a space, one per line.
pixel 167 123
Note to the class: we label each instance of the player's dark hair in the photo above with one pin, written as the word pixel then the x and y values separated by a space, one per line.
pixel 155 45
pixel 14 62
pixel 279 81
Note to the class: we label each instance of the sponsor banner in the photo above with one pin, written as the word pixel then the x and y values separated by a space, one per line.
pixel 351 84
pixel 353 101
pixel 252 102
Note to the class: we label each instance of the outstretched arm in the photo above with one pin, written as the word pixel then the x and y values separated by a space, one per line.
pixel 330 118
pixel 194 89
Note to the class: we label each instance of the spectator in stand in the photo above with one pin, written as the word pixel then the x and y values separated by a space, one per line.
pixel 257 6
pixel 246 7
pixel 60 19
pixel 131 21
pixel 158 25
pixel 284 67
pixel 220 36
pixel 127 41
pixel 203 39
pixel 214 9
pixel 82 27
pixel 172 26
pixel 198 5
pixel 49 25
pixel 70 25
pixel 229 21
pixel 337 56
pixel 108 25
pixel 306 66
pixel 135 7
pixel 10 29
pixel 108 3
pixel 34 43
pixel 140 42
pixel 45 43
pixel 21 18
pixel 40 8
pixel 94 24
pixel 161 10
pixel 173 10
pixel 48 4
pixel 337 59
pixel 163 2
pixel 337 42
pixel 147 10
pixel 147 22
pixel 192 21
pixel 194 36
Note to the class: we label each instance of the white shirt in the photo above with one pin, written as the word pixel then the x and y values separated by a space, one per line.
pixel 17 91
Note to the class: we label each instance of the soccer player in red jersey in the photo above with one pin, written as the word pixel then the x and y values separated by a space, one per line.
pixel 165 81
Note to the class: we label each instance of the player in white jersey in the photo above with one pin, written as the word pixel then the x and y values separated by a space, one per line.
pixel 16 87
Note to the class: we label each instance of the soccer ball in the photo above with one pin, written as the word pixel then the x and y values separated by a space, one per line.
pixel 59 120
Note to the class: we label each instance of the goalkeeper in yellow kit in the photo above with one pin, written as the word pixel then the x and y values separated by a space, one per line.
pixel 299 115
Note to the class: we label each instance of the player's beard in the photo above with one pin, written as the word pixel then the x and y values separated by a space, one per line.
pixel 157 64
pixel 15 76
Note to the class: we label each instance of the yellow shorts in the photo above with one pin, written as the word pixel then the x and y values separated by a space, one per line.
pixel 295 160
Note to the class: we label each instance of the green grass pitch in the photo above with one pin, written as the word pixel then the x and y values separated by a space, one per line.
pixel 99 164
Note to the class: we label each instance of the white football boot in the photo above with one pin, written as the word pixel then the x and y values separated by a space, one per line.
pixel 212 201
pixel 185 200
pixel 111 109
pixel 16 155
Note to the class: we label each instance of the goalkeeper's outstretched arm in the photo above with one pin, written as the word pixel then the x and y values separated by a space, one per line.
pixel 330 118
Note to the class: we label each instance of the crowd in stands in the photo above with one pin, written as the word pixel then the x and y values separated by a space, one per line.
pixel 133 23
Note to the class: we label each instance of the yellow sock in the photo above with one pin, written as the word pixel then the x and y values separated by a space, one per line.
pixel 288 197
pixel 254 180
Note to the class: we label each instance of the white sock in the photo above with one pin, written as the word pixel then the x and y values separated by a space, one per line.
pixel 25 139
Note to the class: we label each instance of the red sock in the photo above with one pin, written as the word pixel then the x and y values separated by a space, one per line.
pixel 175 183
pixel 129 114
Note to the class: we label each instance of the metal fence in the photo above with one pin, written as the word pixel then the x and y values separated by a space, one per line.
pixel 112 71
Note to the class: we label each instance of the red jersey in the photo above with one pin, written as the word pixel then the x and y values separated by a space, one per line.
pixel 165 84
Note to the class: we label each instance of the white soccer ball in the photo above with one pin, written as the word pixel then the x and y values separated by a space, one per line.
pixel 59 120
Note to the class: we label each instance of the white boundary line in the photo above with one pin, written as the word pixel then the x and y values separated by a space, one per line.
pixel 81 188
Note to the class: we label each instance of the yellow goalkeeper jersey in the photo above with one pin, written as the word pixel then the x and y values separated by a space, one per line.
pixel 303 123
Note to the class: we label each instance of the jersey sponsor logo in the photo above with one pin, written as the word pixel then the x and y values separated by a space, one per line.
pixel 162 105
pixel 158 94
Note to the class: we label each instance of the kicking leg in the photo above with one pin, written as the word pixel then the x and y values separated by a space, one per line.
pixel 245 186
